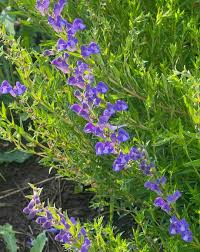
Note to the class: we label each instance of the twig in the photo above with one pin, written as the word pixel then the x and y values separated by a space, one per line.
pixel 27 187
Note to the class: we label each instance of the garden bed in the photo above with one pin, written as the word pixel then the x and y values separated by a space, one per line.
pixel 12 200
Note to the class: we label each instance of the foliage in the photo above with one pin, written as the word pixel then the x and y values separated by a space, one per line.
pixel 39 243
pixel 8 235
pixel 6 231
pixel 13 156
pixel 150 58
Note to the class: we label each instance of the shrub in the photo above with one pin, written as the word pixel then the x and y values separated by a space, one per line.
pixel 163 108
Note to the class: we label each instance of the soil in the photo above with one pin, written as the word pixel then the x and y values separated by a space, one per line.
pixel 12 200
pixel 58 191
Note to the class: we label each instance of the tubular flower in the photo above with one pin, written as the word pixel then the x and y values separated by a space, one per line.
pixel 17 90
pixel 42 6
pixel 160 202
pixel 180 227
pixel 66 230
pixel 61 63
pixel 91 97
pixel 173 197
pixel 58 8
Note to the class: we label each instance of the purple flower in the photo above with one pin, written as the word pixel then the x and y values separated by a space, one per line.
pixel 59 7
pixel 19 89
pixel 187 236
pixel 135 154
pixel 122 136
pixel 86 51
pixel 47 225
pixel 180 227
pixel 41 220
pixel 120 162
pixel 76 81
pixel 110 110
pixel 71 44
pixel 73 221
pixel 63 236
pixel 153 187
pixel 31 204
pixel 61 64
pixel 83 231
pixel 90 128
pixel 91 95
pixel 173 197
pixel 26 210
pixel 104 148
pixel 161 181
pixel 78 95
pixel 146 168
pixel 81 68
pixel 53 230
pixel 6 88
pixel 48 53
pixel 52 220
pixel 159 202
pixel 95 130
pixel 76 108
pixel 61 45
pixel 71 32
pixel 103 120
pixel 89 78
pixel 173 229
pixel 102 88
pixel 57 23
pixel 85 245
pixel 121 105
pixel 42 6
pixel 94 48
pixel 80 110
pixel 32 214
pixel 31 210
pixel 78 24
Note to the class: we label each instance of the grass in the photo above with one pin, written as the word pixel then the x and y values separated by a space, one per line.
pixel 150 57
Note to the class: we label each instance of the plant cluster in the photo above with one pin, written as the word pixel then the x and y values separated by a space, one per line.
pixel 67 230
pixel 91 101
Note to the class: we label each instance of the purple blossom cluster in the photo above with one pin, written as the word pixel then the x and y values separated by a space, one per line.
pixel 165 203
pixel 180 227
pixel 92 106
pixel 91 96
pixel 43 6
pixel 52 220
pixel 17 90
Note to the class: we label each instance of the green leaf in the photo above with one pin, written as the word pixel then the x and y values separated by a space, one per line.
pixel 39 243
pixel 8 235
pixel 3 110
pixel 193 163
pixel 13 156
pixel 8 21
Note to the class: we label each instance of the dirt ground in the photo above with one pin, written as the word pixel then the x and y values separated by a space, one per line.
pixel 14 187
pixel 57 190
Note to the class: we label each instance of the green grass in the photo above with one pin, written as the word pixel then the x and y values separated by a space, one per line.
pixel 150 57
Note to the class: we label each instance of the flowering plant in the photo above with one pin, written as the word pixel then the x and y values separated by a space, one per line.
pixel 67 230
pixel 91 102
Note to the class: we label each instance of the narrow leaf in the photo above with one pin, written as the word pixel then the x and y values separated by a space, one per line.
pixel 193 163
pixel 8 235
pixel 39 243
